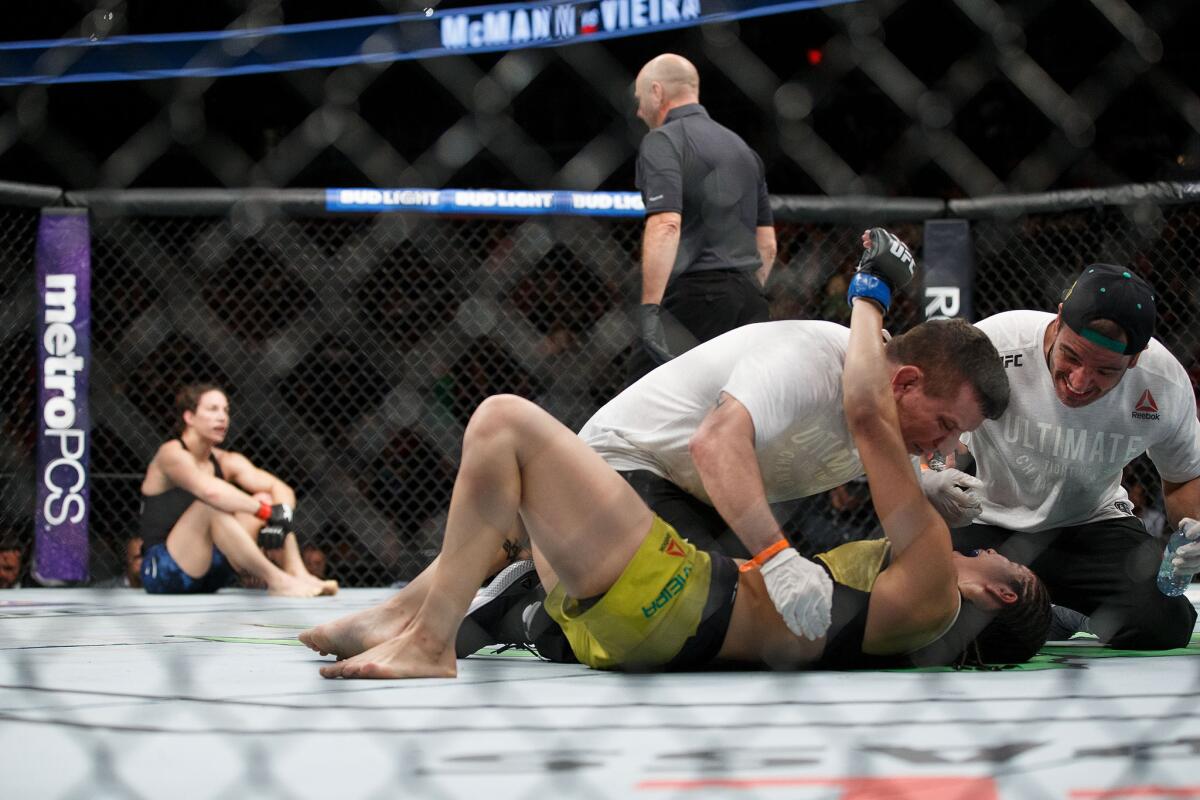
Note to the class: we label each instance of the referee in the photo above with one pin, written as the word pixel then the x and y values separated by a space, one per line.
pixel 709 241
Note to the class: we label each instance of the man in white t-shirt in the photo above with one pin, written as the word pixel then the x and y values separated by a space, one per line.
pixel 1091 391
pixel 754 417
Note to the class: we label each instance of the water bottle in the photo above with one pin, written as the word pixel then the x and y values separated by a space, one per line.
pixel 1171 583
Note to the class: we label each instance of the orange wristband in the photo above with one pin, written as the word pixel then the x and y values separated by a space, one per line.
pixel 764 556
pixel 264 511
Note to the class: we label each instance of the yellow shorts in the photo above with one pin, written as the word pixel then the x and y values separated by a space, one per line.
pixel 644 619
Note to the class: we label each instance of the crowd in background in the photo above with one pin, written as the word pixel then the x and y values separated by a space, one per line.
pixel 816 524
pixel 409 479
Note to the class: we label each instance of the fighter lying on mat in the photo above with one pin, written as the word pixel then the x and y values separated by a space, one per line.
pixel 631 593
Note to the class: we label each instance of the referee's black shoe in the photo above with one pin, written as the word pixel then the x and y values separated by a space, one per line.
pixel 494 616
pixel 508 611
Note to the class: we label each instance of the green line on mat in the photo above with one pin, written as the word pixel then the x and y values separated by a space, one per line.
pixel 498 651
pixel 1100 651
pixel 1073 656
pixel 239 639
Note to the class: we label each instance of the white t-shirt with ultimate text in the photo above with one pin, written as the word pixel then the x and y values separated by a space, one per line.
pixel 788 375
pixel 1044 465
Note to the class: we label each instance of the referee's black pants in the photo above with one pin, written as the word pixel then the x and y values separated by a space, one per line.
pixel 692 518
pixel 705 304
pixel 1104 569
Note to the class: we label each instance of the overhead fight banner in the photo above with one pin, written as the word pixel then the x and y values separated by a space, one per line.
pixel 335 43
pixel 487 202
pixel 64 353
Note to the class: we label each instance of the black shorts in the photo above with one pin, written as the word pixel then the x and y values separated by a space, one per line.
pixel 696 521
pixel 161 574
pixel 701 648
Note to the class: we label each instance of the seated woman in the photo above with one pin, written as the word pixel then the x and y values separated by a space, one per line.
pixel 203 509
pixel 629 592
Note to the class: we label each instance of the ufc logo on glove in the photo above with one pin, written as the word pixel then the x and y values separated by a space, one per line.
pixel 898 249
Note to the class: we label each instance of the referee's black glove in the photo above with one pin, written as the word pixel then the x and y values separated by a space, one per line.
pixel 654 336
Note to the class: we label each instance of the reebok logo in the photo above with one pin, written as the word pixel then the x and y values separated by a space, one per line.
pixel 673 548
pixel 654 199
pixel 1146 408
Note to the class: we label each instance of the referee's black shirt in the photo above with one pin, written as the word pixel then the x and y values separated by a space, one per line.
pixel 706 173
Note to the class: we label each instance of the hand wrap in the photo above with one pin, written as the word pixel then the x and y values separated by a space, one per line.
pixel 951 493
pixel 801 591
pixel 1187 557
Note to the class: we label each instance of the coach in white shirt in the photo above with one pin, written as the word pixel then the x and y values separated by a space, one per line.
pixel 1091 391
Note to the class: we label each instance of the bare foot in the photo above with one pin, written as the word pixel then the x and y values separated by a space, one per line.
pixel 324 588
pixel 409 655
pixel 298 571
pixel 352 634
pixel 287 586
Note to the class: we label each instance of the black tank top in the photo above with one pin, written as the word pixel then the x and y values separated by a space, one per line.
pixel 853 568
pixel 844 638
pixel 160 512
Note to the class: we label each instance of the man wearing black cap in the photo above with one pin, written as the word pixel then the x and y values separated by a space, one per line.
pixel 1091 391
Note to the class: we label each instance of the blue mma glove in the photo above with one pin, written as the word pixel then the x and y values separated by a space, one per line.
pixel 885 266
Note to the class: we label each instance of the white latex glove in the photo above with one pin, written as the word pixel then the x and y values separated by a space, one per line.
pixel 1187 557
pixel 950 493
pixel 801 591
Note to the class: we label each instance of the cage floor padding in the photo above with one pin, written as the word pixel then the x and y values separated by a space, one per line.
pixel 120 694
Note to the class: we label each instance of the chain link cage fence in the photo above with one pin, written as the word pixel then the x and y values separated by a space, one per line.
pixel 354 349
pixel 943 98
pixel 380 334
pixel 18 366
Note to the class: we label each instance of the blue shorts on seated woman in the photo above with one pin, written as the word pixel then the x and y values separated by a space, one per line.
pixel 162 575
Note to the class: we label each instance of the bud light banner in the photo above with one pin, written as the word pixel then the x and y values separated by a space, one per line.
pixel 63 329
pixel 487 202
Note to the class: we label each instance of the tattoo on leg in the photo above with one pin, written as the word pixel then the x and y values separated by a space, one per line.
pixel 512 549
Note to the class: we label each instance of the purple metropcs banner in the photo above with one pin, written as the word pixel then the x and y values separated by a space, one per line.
pixel 64 351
